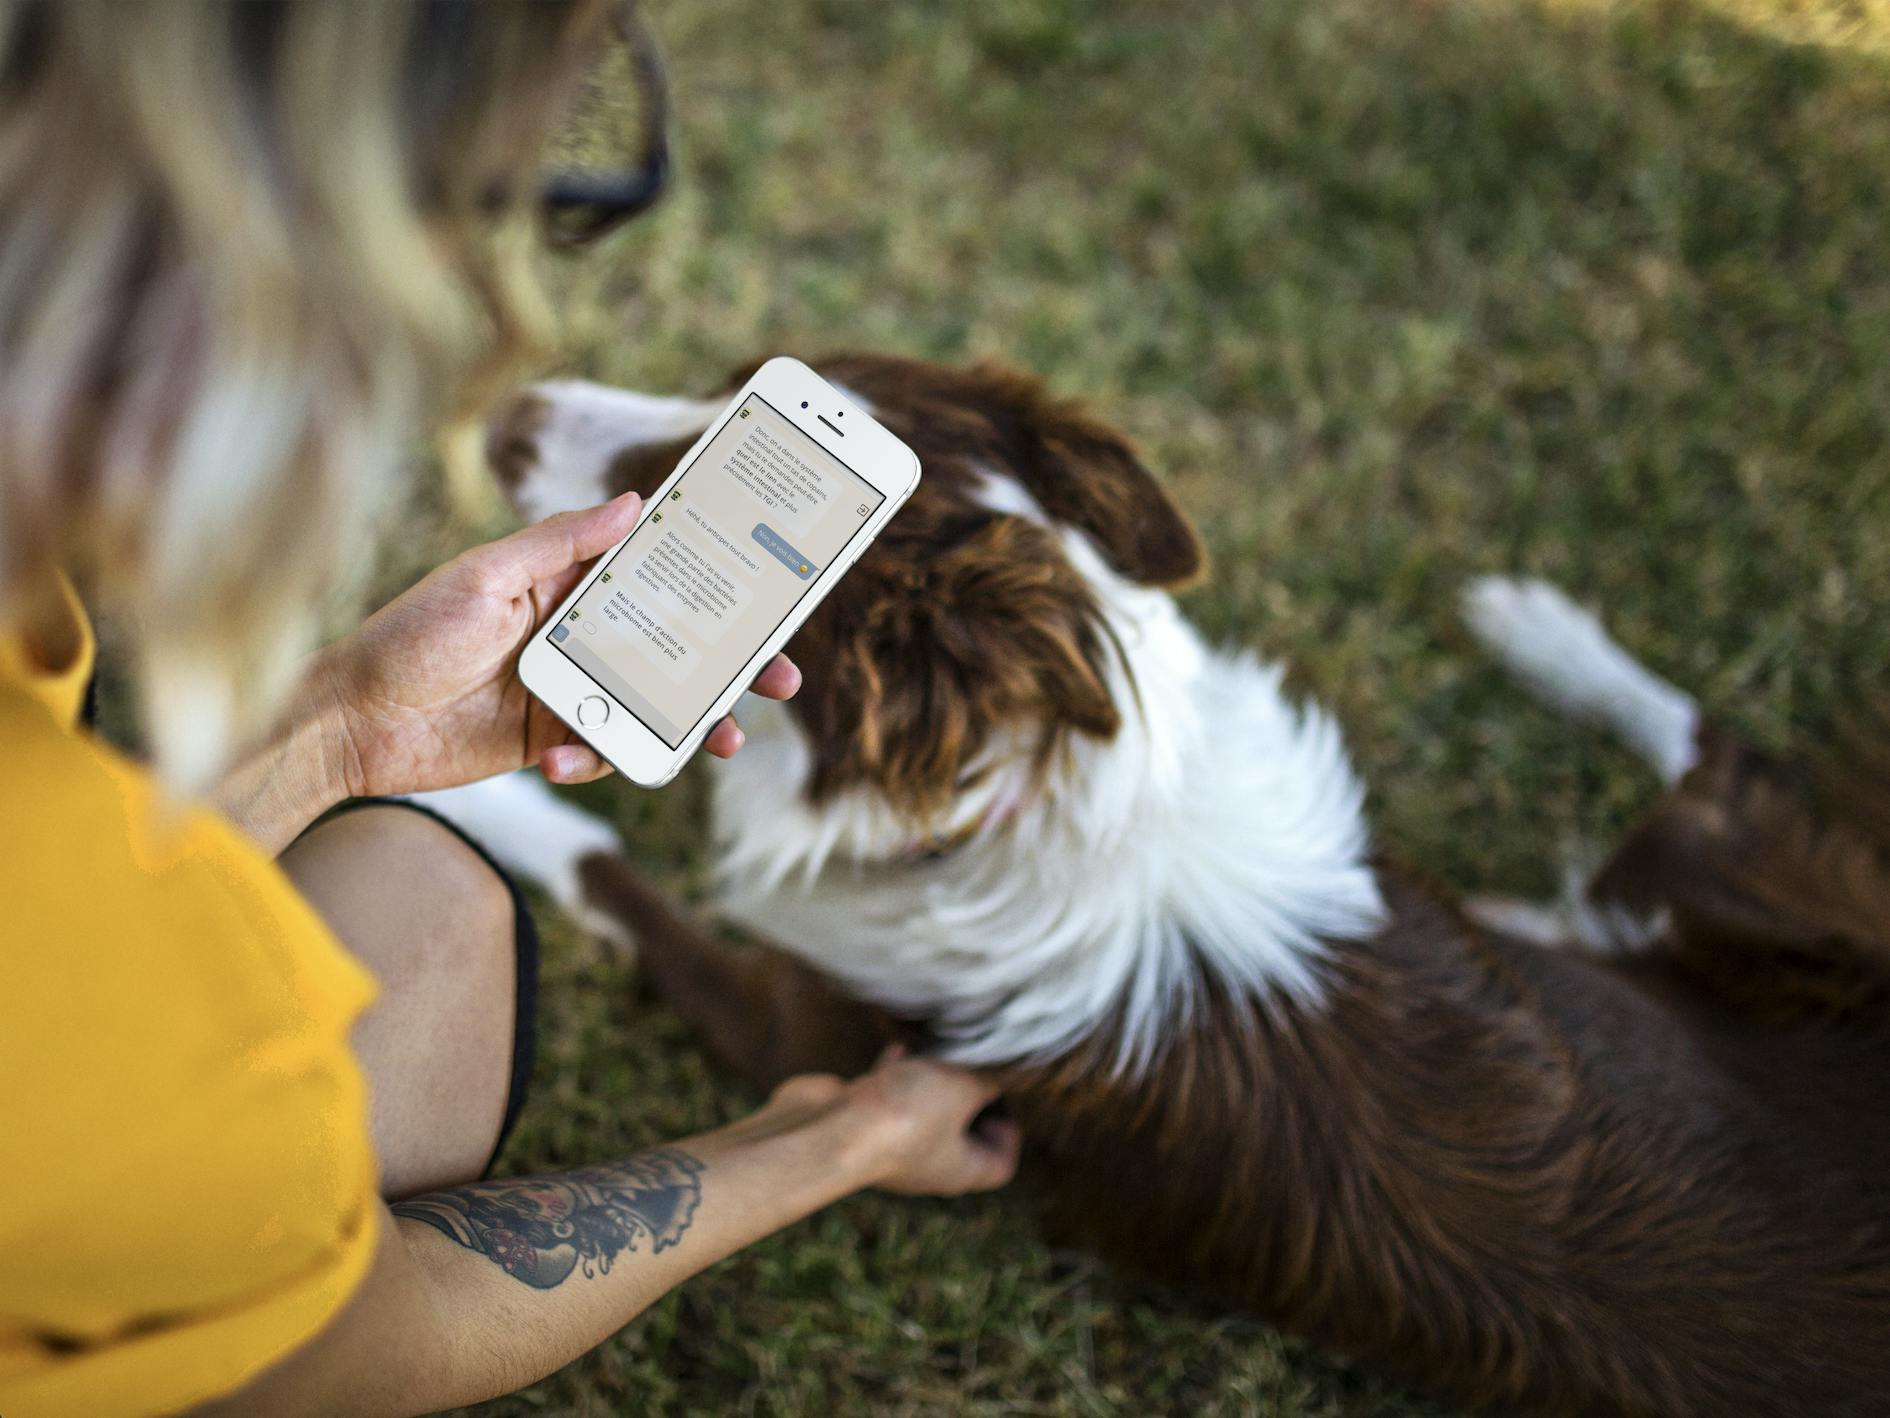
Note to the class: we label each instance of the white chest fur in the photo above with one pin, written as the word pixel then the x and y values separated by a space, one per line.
pixel 1220 837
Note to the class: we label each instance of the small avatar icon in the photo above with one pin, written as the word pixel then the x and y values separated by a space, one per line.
pixel 676 496
pixel 604 577
pixel 572 616
pixel 803 568
pixel 656 516
pixel 747 412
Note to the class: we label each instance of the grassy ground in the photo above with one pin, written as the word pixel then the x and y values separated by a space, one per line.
pixel 1392 293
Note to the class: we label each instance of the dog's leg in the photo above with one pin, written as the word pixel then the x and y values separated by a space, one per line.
pixel 761 1012
pixel 1533 922
pixel 1775 877
pixel 1579 919
pixel 536 835
pixel 1560 651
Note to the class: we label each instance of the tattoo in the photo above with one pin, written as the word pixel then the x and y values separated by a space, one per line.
pixel 540 1229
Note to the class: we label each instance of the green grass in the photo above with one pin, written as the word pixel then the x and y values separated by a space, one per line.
pixel 1391 293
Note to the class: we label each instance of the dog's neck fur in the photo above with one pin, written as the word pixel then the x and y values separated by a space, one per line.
pixel 1219 839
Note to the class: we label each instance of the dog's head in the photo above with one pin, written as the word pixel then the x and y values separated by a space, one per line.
pixel 971 646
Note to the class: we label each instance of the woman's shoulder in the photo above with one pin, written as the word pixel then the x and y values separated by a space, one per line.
pixel 191 1126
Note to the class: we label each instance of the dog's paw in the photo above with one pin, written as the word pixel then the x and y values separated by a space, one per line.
pixel 1576 920
pixel 529 830
pixel 1540 923
pixel 1545 639
pixel 1561 653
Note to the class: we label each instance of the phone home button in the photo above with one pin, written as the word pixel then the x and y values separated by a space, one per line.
pixel 593 711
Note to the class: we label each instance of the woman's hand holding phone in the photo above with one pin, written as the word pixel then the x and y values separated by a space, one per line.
pixel 427 690
pixel 426 693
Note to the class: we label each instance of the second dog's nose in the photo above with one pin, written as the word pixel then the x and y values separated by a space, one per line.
pixel 512 438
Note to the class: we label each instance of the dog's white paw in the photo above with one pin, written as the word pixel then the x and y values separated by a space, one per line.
pixel 619 941
pixel 529 830
pixel 1560 652
pixel 1537 922
pixel 1574 921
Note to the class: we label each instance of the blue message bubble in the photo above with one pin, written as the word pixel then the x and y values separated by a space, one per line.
pixel 776 546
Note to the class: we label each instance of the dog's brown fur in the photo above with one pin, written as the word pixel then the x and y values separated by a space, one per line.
pixel 1652 1185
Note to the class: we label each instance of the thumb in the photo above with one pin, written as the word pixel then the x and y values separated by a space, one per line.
pixel 560 542
pixel 997 1147
pixel 983 1160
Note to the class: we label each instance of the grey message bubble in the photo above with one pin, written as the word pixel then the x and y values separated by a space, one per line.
pixel 777 546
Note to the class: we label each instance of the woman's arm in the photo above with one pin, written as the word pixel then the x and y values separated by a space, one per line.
pixel 481 1289
pixel 295 777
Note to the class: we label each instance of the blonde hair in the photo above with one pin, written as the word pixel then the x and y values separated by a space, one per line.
pixel 242 248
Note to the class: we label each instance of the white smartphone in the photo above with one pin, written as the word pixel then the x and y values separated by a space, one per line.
pixel 779 496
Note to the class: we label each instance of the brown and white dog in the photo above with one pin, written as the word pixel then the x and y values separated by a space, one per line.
pixel 1627 1156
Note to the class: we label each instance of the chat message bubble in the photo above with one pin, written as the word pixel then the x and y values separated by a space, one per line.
pixel 777 547
pixel 685 587
pixel 739 554
pixel 780 480
pixel 628 621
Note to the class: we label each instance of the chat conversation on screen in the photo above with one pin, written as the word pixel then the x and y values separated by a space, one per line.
pixel 709 574
pixel 631 622
pixel 780 479
pixel 691 587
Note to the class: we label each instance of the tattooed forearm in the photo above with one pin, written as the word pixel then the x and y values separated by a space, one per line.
pixel 540 1229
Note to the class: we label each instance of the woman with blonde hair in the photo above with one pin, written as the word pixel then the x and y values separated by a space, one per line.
pixel 254 1069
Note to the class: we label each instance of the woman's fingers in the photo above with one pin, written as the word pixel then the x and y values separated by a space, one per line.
pixel 725 739
pixel 552 547
pixel 572 763
pixel 992 1150
pixel 779 680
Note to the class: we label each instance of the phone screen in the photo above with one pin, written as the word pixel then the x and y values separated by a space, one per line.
pixel 713 571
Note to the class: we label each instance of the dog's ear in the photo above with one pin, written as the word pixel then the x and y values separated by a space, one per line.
pixel 1084 473
pixel 924 664
pixel 1087 475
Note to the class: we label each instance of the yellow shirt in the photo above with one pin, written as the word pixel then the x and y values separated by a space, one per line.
pixel 187 1187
